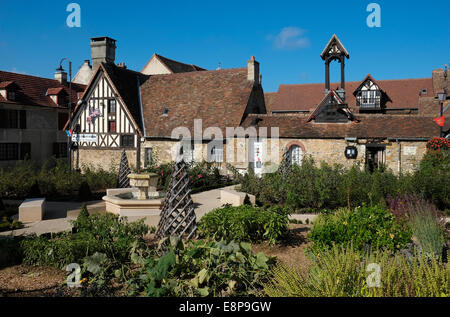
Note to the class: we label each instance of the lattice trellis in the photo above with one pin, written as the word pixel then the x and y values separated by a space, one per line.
pixel 286 163
pixel 177 214
pixel 124 170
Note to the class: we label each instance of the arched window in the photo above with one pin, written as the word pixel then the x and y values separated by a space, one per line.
pixel 296 155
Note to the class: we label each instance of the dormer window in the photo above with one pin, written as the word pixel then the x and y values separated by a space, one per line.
pixel 8 90
pixel 166 112
pixel 370 98
pixel 424 91
pixel 369 95
pixel 11 95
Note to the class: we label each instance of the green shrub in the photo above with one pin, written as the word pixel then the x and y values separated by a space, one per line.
pixel 316 187
pixel 432 179
pixel 426 227
pixel 361 226
pixel 344 272
pixel 202 268
pixel 84 192
pixel 11 253
pixel 245 223
pixel 52 180
pixel 106 234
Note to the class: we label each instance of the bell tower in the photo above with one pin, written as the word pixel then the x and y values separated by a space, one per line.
pixel 335 51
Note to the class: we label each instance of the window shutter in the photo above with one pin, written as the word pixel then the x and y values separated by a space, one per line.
pixel 2 119
pixel 55 149
pixel 22 119
pixel 25 151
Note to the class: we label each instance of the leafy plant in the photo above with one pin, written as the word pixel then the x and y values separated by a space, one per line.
pixel 202 268
pixel 363 225
pixel 245 223
pixel 106 234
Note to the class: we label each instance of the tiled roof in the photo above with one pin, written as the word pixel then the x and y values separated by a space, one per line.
pixel 404 93
pixel 269 99
pixel 175 66
pixel 54 91
pixel 385 126
pixel 31 90
pixel 218 97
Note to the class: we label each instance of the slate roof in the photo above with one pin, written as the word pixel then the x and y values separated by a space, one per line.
pixel 385 126
pixel 218 97
pixel 404 93
pixel 32 90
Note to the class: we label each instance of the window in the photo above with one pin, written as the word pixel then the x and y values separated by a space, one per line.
pixel 15 151
pixel 60 149
pixel 148 157
pixel 11 95
pixel 112 106
pixel 127 140
pixel 111 126
pixel 13 119
pixel 187 151
pixel 296 155
pixel 216 153
pixel 369 98
pixel 166 112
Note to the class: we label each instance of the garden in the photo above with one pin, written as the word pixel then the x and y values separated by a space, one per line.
pixel 374 235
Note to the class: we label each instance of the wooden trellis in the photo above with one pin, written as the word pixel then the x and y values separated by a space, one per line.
pixel 124 170
pixel 286 163
pixel 177 214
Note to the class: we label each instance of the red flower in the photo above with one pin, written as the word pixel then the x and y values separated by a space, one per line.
pixel 162 173
pixel 200 175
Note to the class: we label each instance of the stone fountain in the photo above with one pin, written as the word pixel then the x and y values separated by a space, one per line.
pixel 142 199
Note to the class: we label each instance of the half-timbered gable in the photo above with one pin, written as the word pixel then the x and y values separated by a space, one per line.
pixel 331 109
pixel 369 95
pixel 108 116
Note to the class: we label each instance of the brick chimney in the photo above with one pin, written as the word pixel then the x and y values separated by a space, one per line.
pixel 253 71
pixel 103 49
pixel 441 80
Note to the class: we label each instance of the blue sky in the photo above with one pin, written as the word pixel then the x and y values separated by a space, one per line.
pixel 286 37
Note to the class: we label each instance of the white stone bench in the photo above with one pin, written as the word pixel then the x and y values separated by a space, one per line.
pixel 32 210
pixel 234 198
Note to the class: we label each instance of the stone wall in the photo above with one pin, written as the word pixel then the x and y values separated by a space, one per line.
pixel 103 158
pixel 327 150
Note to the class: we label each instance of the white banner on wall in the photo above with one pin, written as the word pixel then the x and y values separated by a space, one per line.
pixel 258 156
pixel 84 138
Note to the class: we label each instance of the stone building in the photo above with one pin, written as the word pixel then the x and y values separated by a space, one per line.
pixel 381 121
pixel 33 112
pixel 124 109
pixel 223 116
